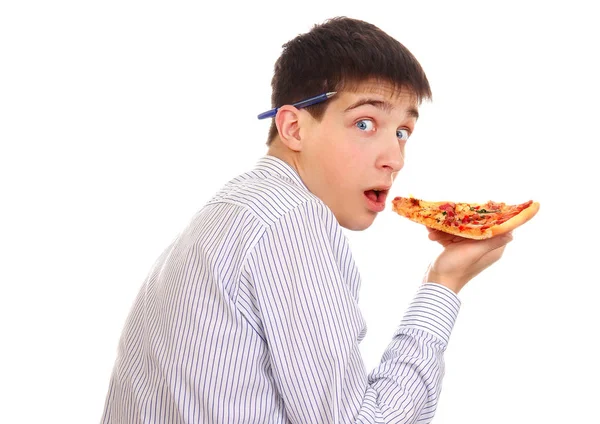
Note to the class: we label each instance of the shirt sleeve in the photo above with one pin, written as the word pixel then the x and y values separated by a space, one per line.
pixel 312 325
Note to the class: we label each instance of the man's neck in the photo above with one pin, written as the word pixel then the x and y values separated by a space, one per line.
pixel 280 151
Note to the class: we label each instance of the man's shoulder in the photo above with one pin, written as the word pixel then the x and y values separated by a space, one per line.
pixel 268 196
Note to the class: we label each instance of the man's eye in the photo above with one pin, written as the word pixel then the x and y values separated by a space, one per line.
pixel 365 125
pixel 402 134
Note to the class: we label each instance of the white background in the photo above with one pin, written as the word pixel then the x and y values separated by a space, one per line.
pixel 119 119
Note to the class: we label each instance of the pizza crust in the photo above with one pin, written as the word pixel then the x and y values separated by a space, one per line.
pixel 516 221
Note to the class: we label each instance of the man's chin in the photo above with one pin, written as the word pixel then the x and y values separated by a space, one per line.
pixel 359 223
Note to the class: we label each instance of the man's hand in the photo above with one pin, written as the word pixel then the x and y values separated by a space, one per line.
pixel 462 258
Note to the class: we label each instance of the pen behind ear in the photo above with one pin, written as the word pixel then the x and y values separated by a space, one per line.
pixel 303 103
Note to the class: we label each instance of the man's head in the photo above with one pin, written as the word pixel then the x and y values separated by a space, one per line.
pixel 349 148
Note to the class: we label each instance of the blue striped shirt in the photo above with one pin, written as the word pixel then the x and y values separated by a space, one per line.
pixel 251 316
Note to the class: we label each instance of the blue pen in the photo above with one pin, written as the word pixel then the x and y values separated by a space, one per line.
pixel 303 103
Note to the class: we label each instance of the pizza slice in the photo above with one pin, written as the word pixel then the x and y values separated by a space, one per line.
pixel 470 220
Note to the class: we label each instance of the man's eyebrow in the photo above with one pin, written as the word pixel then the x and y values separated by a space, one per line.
pixel 382 105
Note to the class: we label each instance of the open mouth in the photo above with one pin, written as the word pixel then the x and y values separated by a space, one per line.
pixel 376 195
pixel 376 199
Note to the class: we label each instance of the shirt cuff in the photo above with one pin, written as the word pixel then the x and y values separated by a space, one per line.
pixel 434 309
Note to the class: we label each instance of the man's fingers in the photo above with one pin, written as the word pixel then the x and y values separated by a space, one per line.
pixel 440 236
pixel 436 234
pixel 498 241
pixel 487 244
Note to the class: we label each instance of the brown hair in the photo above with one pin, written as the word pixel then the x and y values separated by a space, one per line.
pixel 340 54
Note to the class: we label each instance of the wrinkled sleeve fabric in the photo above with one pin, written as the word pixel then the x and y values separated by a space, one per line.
pixel 312 326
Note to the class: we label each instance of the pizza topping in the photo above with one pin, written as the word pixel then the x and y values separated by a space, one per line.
pixel 467 216
pixel 494 205
pixel 448 207
pixel 472 219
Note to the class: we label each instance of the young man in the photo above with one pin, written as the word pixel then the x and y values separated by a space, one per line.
pixel 251 315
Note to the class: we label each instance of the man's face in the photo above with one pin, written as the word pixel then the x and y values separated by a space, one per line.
pixel 350 158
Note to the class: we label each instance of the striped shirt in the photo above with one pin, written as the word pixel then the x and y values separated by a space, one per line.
pixel 251 316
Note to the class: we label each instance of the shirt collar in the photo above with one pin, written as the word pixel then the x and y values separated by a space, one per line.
pixel 272 165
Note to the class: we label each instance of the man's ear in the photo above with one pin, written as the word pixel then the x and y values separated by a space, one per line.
pixel 288 127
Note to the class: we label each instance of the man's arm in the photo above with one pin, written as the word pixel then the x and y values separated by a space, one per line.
pixel 312 326
pixel 408 380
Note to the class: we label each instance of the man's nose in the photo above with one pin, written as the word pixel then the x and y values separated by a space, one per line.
pixel 393 156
